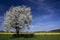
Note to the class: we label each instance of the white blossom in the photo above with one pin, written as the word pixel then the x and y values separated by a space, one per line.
pixel 19 14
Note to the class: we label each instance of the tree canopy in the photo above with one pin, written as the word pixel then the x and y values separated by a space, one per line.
pixel 19 16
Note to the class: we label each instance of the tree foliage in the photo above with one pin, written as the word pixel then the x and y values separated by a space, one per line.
pixel 19 16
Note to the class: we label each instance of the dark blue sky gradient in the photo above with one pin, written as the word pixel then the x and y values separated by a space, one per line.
pixel 46 13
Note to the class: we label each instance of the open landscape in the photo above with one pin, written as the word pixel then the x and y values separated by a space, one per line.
pixel 29 19
pixel 30 36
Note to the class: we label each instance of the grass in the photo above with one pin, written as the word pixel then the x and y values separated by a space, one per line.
pixel 35 37
pixel 41 33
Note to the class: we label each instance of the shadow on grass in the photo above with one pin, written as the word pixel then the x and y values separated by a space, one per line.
pixel 22 35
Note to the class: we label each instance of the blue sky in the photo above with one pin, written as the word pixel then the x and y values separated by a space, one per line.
pixel 45 13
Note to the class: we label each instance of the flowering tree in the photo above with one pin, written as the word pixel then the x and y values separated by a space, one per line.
pixel 18 18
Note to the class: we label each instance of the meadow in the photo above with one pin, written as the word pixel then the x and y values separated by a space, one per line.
pixel 36 36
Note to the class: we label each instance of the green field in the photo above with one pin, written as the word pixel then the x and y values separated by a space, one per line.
pixel 35 37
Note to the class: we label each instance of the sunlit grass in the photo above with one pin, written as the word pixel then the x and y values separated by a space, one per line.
pixel 37 36
pixel 41 33
pixel 46 33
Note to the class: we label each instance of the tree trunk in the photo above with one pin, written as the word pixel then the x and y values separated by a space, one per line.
pixel 17 31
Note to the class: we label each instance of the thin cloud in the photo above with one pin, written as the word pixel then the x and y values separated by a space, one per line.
pixel 42 4
pixel 45 26
pixel 43 17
